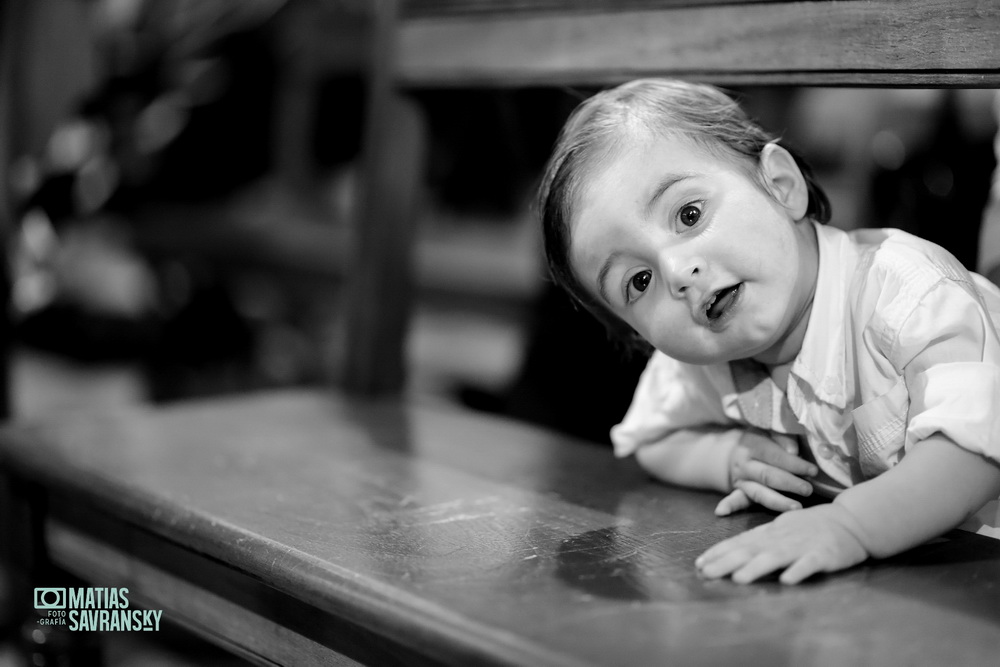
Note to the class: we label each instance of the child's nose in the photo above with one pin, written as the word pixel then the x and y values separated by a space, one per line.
pixel 682 272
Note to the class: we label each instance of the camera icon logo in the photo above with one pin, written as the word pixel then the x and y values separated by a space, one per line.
pixel 50 598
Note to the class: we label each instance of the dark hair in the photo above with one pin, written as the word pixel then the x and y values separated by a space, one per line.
pixel 599 127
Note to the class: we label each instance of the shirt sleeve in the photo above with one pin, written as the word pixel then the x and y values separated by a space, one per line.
pixel 949 353
pixel 672 396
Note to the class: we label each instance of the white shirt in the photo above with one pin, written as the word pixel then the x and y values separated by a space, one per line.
pixel 901 343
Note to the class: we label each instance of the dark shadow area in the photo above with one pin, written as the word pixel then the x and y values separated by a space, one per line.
pixel 973 557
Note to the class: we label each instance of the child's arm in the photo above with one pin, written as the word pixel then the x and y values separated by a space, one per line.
pixel 751 464
pixel 932 489
pixel 938 333
pixel 679 432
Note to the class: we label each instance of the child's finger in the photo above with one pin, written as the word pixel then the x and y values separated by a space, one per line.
pixel 766 496
pixel 723 563
pixel 737 500
pixel 743 545
pixel 760 565
pixel 806 566
pixel 780 458
pixel 773 452
pixel 713 553
pixel 775 478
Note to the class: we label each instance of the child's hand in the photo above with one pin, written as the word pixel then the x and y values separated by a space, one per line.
pixel 760 466
pixel 817 539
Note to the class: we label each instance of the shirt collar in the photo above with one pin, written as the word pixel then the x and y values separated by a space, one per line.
pixel 820 363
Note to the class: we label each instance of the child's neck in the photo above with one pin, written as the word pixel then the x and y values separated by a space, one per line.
pixel 787 348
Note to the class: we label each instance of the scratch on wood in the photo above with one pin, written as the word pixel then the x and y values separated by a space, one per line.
pixel 460 517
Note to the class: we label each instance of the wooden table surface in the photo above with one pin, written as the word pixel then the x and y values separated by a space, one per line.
pixel 288 524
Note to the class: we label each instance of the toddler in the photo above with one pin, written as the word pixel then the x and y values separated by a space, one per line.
pixel 789 357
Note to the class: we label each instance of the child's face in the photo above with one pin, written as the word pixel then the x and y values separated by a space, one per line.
pixel 694 255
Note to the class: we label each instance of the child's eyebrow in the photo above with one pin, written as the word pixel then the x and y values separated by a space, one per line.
pixel 668 182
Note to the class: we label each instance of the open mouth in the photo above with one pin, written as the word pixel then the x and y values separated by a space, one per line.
pixel 722 301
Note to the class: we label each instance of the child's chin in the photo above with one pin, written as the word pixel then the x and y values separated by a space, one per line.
pixel 705 358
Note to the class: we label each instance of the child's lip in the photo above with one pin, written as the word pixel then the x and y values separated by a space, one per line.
pixel 710 298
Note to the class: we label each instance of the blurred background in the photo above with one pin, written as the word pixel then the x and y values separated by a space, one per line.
pixel 186 174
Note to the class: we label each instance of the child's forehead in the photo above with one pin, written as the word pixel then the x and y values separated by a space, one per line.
pixel 637 157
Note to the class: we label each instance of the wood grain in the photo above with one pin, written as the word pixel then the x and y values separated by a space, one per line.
pixel 437 536
pixel 873 42
pixel 454 7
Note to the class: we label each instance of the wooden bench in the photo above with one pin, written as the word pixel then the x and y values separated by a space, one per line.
pixel 298 528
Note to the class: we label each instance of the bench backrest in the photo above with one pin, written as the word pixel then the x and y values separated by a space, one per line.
pixel 509 43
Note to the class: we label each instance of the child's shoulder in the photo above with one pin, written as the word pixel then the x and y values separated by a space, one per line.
pixel 667 374
pixel 898 275
pixel 666 368
pixel 892 258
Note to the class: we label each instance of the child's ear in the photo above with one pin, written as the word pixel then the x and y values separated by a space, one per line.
pixel 784 178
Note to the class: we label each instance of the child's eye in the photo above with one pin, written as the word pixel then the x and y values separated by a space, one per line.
pixel 689 215
pixel 636 285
